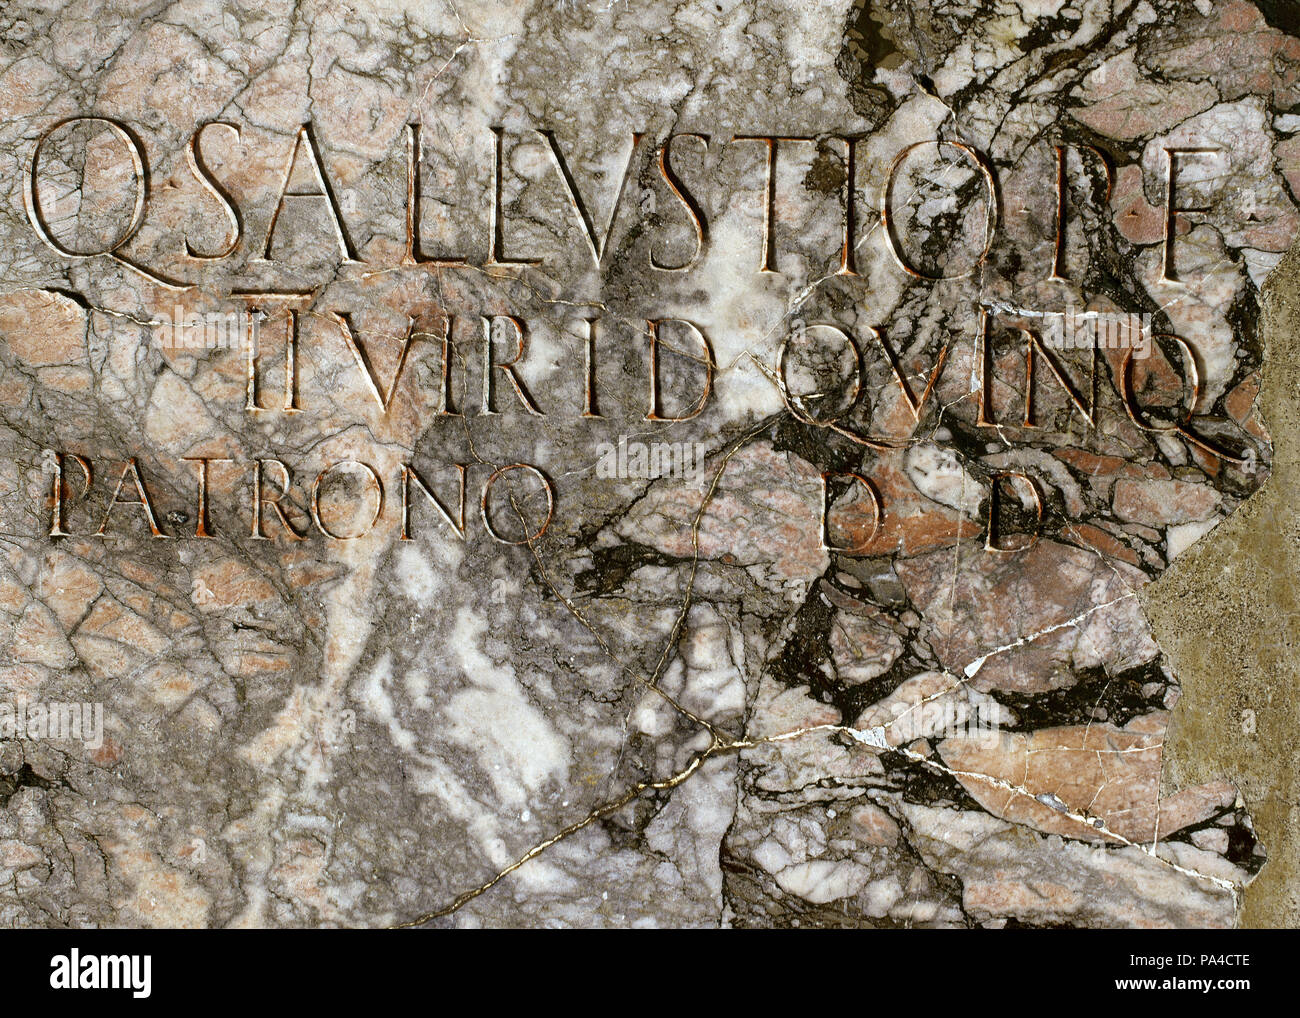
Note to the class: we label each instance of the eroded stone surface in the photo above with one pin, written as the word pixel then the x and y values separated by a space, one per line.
pixel 678 706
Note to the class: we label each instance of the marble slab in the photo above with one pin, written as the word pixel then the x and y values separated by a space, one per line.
pixel 582 464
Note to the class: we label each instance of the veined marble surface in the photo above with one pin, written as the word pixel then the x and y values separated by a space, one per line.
pixel 686 702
